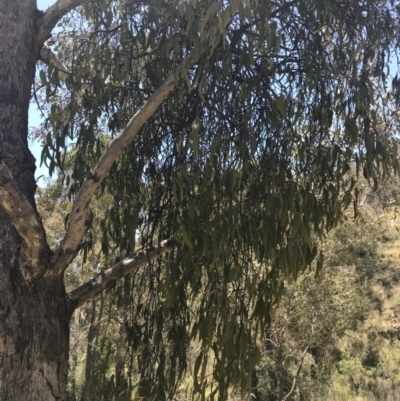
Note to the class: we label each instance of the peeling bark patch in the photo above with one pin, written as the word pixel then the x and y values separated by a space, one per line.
pixel 4 181
pixel 51 388
pixel 24 218
pixel 5 176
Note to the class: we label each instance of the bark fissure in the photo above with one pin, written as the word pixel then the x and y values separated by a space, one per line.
pixel 34 308
pixel 35 338
pixel 34 314
pixel 26 221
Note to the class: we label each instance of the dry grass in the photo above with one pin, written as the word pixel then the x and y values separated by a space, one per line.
pixel 381 383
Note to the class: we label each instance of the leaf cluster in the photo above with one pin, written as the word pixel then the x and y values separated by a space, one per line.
pixel 248 164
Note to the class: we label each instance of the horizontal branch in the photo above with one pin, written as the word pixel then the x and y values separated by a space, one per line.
pixel 52 15
pixel 97 284
pixel 25 221
pixel 76 224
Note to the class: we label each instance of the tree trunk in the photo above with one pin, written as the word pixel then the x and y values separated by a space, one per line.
pixel 35 336
pixel 34 315
pixel 91 353
pixel 121 382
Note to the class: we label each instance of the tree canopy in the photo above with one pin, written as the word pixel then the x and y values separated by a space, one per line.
pixel 228 137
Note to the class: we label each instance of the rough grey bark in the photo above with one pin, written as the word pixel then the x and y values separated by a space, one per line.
pixel 27 223
pixel 33 309
pixel 49 19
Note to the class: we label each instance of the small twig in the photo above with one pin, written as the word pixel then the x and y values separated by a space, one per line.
pixel 294 384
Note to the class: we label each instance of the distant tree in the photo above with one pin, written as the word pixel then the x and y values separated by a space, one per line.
pixel 230 130
pixel 301 349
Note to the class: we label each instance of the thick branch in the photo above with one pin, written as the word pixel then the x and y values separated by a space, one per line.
pixel 52 15
pixel 96 285
pixel 24 219
pixel 76 224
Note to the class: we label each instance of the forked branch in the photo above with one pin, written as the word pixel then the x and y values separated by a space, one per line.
pixel 76 224
pixel 25 220
pixel 97 284
pixel 52 15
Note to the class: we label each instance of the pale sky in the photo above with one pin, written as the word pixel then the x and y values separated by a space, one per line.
pixel 34 116
pixel 43 4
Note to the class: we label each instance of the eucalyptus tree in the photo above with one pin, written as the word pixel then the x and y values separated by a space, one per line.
pixel 231 131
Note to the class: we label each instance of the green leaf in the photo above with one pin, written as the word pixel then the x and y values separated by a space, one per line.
pixel 194 136
pixel 185 236
pixel 281 105
pixel 295 225
pixel 190 13
pixel 43 78
pixel 197 365
pixel 210 12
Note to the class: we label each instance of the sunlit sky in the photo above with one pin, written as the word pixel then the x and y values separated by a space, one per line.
pixel 43 4
pixel 34 116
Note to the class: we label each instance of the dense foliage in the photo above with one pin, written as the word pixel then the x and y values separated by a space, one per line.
pixel 324 338
pixel 247 164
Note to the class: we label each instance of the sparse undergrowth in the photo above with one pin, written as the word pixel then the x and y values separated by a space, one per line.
pixel 369 365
